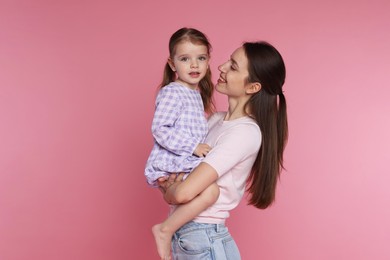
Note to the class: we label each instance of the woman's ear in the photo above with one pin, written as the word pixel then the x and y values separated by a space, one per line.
pixel 253 88
pixel 171 64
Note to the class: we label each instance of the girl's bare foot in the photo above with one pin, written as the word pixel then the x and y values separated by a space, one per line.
pixel 163 241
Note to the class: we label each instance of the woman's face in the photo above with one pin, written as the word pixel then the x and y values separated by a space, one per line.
pixel 234 73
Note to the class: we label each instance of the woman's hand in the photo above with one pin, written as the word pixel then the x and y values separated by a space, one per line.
pixel 164 183
pixel 176 191
pixel 167 185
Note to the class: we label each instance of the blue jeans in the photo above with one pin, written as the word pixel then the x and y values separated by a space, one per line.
pixel 196 241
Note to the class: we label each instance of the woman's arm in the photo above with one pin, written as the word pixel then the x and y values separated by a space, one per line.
pixel 179 191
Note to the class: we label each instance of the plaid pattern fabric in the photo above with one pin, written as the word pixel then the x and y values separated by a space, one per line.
pixel 178 126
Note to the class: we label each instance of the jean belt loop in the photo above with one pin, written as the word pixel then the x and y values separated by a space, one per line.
pixel 217 227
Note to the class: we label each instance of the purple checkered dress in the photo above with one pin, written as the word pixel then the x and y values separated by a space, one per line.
pixel 178 126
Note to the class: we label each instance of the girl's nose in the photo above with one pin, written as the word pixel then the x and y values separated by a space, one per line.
pixel 194 64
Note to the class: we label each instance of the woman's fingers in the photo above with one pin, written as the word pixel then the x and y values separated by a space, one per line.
pixel 179 177
pixel 172 178
pixel 163 183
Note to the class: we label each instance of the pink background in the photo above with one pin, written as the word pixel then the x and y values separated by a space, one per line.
pixel 77 87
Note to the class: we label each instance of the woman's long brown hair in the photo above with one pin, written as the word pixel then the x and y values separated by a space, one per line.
pixel 268 108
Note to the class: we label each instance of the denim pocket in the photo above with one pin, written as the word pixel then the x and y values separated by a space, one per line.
pixel 195 242
pixel 231 249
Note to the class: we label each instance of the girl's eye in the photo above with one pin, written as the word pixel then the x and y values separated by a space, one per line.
pixel 202 58
pixel 232 68
pixel 184 59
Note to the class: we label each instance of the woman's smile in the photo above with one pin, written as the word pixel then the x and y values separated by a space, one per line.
pixel 221 80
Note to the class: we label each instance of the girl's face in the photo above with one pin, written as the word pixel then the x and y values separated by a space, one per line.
pixel 234 73
pixel 190 62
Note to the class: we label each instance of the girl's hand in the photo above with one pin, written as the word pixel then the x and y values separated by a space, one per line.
pixel 202 150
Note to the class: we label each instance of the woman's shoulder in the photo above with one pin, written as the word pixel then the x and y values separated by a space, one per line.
pixel 244 127
pixel 217 116
pixel 244 121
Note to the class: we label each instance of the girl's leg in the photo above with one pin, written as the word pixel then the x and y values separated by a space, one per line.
pixel 184 213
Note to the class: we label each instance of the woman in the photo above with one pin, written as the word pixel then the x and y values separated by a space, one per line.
pixel 247 152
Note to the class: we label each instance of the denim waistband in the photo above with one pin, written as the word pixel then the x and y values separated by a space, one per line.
pixel 192 225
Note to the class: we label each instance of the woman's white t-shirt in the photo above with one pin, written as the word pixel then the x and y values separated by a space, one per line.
pixel 235 145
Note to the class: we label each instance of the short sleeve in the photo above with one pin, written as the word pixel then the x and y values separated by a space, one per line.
pixel 234 146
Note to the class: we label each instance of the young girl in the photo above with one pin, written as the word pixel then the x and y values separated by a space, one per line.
pixel 179 126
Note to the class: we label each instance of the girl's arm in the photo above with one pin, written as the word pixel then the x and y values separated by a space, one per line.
pixel 168 111
pixel 179 191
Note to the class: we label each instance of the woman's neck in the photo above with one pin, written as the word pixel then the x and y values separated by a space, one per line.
pixel 236 109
